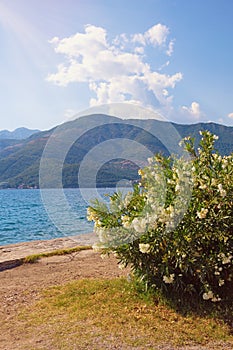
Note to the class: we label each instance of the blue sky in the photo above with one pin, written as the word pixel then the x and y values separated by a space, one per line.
pixel 60 57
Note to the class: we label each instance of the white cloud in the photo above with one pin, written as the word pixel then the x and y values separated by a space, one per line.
pixel 170 49
pixel 164 65
pixel 193 112
pixel 156 35
pixel 90 42
pixel 230 115
pixel 116 70
pixel 139 49
pixel 139 38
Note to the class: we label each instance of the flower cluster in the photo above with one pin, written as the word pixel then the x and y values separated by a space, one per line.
pixel 175 228
pixel 169 279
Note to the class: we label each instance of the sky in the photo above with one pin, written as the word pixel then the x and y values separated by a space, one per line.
pixel 58 58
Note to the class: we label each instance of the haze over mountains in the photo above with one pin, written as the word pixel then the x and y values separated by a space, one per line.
pixel 17 134
pixel 20 158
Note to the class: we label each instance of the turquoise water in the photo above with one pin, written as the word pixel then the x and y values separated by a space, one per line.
pixel 23 216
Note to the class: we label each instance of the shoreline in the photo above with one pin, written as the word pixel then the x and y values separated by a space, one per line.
pixel 11 255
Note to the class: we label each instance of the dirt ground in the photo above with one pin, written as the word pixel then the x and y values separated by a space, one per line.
pixel 21 285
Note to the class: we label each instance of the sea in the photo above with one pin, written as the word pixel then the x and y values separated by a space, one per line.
pixel 32 214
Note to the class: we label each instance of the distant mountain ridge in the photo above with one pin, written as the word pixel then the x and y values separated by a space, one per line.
pixel 17 134
pixel 20 161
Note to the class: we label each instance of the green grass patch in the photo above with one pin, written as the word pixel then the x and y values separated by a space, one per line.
pixel 35 257
pixel 94 313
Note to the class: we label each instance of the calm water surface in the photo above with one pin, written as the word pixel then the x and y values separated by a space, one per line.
pixel 23 216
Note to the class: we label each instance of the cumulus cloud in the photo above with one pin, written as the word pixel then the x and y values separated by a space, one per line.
pixel 156 36
pixel 116 70
pixel 230 115
pixel 193 112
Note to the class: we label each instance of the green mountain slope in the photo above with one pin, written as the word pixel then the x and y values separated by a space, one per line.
pixel 20 161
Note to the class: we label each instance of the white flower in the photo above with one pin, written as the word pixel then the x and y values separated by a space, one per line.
pixel 202 213
pixel 98 223
pixel 221 282
pixel 177 188
pixel 221 190
pixel 220 187
pixel 223 193
pixel 125 221
pixel 225 259
pixel 170 181
pixel 215 299
pixel 127 199
pixel 169 279
pixel 139 225
pixel 208 295
pixel 91 215
pixel 224 163
pixel 144 248
pixel 181 143
pixel 215 137
pixel 203 186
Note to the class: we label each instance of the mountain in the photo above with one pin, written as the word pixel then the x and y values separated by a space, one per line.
pixel 120 159
pixel 4 143
pixel 17 134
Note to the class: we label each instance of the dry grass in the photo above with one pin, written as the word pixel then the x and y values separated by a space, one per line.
pixel 35 257
pixel 101 314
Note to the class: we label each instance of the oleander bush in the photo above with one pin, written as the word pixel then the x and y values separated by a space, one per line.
pixel 175 229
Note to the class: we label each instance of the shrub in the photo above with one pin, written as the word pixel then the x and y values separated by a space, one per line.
pixel 175 228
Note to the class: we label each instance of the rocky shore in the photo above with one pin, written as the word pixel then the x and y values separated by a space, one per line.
pixel 12 255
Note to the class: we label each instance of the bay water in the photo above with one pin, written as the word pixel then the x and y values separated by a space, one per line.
pixel 24 216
